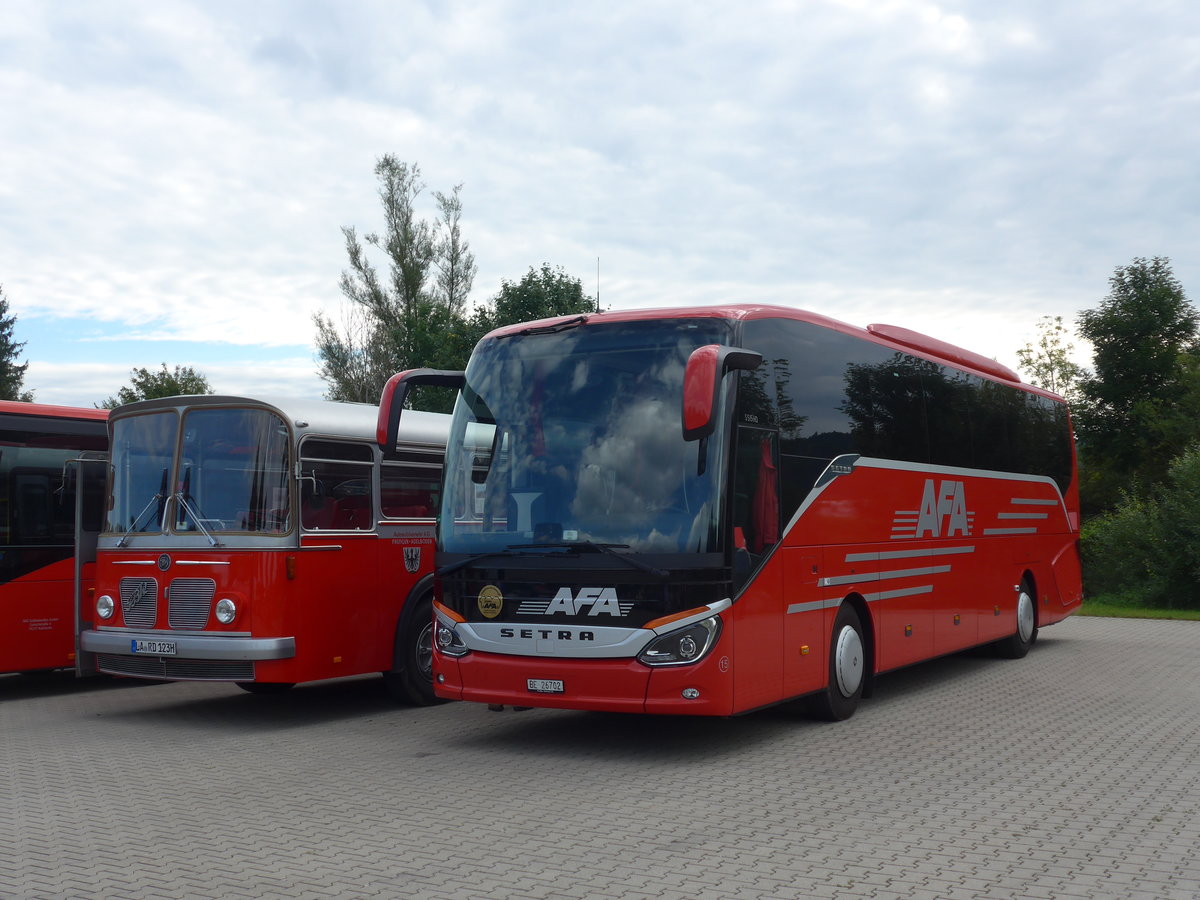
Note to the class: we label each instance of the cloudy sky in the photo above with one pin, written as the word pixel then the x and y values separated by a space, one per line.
pixel 174 175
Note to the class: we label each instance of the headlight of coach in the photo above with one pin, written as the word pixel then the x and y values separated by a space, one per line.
pixel 684 646
pixel 105 606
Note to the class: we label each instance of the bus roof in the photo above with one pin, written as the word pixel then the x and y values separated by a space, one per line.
pixel 45 410
pixel 325 417
pixel 901 339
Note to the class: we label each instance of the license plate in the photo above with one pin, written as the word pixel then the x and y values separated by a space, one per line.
pixel 154 648
pixel 545 685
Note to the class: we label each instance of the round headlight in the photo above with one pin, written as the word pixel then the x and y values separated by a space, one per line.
pixel 226 610
pixel 105 606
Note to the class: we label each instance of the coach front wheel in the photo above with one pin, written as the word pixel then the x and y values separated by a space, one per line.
pixel 847 669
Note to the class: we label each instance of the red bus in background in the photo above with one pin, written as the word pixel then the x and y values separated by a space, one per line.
pixel 712 510
pixel 267 543
pixel 50 469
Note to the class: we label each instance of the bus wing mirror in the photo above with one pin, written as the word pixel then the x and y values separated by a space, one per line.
pixel 395 392
pixel 706 368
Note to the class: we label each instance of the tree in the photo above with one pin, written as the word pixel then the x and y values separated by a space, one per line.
pixel 147 385
pixel 12 374
pixel 1137 411
pixel 1048 363
pixel 396 318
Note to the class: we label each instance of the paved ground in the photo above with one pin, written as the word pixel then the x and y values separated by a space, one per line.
pixel 1072 773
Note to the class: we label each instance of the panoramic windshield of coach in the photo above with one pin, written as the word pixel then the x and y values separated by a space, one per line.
pixel 575 436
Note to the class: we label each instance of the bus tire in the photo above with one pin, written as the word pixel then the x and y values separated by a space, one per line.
pixel 1016 645
pixel 411 678
pixel 847 669
pixel 265 687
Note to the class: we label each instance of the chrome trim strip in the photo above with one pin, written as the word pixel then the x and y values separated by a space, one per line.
pixel 883 576
pixel 190 646
pixel 201 562
pixel 907 554
pixel 135 562
pixel 607 641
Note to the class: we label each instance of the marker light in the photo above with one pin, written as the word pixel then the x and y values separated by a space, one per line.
pixel 226 611
pixel 683 646
pixel 105 606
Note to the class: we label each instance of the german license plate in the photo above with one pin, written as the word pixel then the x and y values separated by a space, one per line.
pixel 545 685
pixel 154 648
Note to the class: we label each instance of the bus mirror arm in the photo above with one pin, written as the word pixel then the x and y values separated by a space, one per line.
pixel 395 392
pixel 706 369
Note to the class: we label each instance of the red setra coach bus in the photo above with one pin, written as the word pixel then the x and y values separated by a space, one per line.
pixel 51 481
pixel 711 510
pixel 267 544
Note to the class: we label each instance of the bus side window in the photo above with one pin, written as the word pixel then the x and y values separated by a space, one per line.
pixel 336 486
pixel 409 492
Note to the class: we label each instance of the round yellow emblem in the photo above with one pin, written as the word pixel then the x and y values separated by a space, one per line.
pixel 491 601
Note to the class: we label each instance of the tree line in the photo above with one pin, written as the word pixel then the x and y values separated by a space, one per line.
pixel 1136 412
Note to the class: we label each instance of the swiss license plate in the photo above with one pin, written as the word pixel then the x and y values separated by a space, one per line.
pixel 154 648
pixel 545 685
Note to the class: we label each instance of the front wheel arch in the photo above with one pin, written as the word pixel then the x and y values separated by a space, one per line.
pixel 410 678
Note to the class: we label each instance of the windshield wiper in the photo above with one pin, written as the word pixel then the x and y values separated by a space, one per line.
pixel 610 549
pixel 474 558
pixel 159 498
pixel 183 496
pixel 548 329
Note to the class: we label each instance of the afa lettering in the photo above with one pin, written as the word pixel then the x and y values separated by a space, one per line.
pixel 943 510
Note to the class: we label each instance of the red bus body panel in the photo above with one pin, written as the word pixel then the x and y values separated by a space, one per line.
pixel 934 557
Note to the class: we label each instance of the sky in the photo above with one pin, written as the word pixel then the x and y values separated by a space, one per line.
pixel 174 176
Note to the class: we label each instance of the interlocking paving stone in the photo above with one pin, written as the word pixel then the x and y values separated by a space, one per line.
pixel 1072 773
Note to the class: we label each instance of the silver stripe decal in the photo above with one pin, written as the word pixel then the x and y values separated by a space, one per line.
pixel 900 592
pixel 1024 501
pixel 882 576
pixel 813 606
pixel 1023 516
pixel 907 554
pixel 1010 531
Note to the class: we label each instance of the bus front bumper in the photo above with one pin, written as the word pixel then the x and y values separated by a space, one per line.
pixel 153 643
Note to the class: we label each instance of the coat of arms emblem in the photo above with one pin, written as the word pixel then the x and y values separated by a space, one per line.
pixel 412 558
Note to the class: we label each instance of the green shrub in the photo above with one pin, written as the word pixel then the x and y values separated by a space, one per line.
pixel 1147 550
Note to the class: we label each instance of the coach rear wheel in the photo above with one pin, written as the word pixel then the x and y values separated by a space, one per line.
pixel 847 669
pixel 1018 643
pixel 411 679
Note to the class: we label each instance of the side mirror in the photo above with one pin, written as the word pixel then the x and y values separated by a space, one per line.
pixel 706 368
pixel 395 392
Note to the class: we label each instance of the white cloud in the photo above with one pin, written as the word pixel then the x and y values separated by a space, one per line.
pixel 182 171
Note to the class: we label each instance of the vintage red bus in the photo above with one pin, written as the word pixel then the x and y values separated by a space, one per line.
pixel 44 482
pixel 267 543
pixel 711 510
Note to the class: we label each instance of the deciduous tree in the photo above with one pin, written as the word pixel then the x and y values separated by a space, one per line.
pixel 147 385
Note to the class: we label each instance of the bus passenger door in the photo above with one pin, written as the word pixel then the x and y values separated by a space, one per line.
pixel 89 478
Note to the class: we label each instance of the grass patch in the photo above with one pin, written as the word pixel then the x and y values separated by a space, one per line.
pixel 1103 607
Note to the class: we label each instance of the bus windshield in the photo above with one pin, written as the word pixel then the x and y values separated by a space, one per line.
pixel 573 437
pixel 142 451
pixel 233 472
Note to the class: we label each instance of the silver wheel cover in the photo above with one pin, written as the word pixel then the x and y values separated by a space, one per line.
pixel 1025 618
pixel 848 661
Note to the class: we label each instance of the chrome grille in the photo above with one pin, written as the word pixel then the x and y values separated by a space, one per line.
pixel 182 669
pixel 189 601
pixel 139 601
